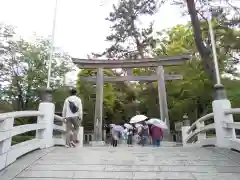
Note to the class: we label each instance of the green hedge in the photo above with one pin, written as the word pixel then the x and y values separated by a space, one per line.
pixel 19 139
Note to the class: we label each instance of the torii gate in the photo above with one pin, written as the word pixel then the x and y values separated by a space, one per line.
pixel 160 77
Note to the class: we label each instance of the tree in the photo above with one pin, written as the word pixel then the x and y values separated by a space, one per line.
pixel 193 94
pixel 128 39
pixel 204 47
pixel 24 70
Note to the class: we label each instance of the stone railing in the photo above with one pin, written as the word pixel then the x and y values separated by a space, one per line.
pixel 222 123
pixel 196 133
pixel 230 128
pixel 45 128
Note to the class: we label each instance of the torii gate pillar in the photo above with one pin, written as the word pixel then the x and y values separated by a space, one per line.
pixel 162 96
pixel 98 106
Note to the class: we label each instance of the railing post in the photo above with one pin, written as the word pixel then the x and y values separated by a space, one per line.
pixel 5 145
pixel 80 136
pixel 223 135
pixel 46 135
pixel 63 134
pixel 201 135
pixel 186 126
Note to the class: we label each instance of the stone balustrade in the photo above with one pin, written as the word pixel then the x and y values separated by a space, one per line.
pixel 44 128
pixel 221 121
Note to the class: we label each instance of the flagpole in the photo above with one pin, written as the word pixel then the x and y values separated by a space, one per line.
pixel 52 45
pixel 213 42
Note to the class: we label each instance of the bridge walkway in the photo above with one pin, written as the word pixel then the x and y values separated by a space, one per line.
pixel 172 163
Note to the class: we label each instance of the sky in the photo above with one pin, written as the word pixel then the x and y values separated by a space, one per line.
pixel 81 27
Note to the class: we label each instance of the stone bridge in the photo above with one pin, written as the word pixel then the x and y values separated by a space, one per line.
pixel 39 158
pixel 174 163
pixel 43 158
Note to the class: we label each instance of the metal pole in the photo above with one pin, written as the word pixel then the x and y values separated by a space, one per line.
pixel 214 51
pixel 51 45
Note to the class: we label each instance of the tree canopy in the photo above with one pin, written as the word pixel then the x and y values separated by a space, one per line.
pixel 24 67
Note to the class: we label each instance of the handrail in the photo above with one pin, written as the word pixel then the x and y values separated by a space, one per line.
pixel 234 142
pixel 232 125
pixel 20 130
pixel 18 114
pixel 232 111
pixel 202 129
pixel 223 123
pixel 59 128
pixel 9 153
pixel 204 118
pixel 57 117
pixel 44 132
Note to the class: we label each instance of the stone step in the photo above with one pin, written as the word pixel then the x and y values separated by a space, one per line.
pixel 163 144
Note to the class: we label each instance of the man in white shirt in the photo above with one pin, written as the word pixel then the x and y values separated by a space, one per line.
pixel 72 112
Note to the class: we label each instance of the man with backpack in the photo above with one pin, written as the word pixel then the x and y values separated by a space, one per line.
pixel 72 112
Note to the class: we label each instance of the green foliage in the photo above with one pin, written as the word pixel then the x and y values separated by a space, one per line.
pixel 127 38
pixel 24 69
pixel 87 93
pixel 21 138
pixel 59 96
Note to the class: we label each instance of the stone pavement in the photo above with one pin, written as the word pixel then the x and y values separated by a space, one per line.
pixel 172 163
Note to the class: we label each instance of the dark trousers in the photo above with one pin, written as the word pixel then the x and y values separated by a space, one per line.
pixel 129 139
pixel 156 142
pixel 114 143
pixel 144 140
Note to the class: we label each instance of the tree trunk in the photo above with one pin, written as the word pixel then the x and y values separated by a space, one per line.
pixel 204 51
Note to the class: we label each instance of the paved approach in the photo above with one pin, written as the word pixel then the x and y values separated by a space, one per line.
pixel 173 163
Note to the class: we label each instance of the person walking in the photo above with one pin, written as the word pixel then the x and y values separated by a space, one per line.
pixel 115 137
pixel 157 135
pixel 150 137
pixel 144 134
pixel 135 135
pixel 72 113
pixel 129 136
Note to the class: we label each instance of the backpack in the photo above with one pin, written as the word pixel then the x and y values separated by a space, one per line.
pixel 144 131
pixel 73 107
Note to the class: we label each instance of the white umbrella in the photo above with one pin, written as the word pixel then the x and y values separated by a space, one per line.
pixel 138 118
pixel 157 122
pixel 118 128
pixel 128 126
